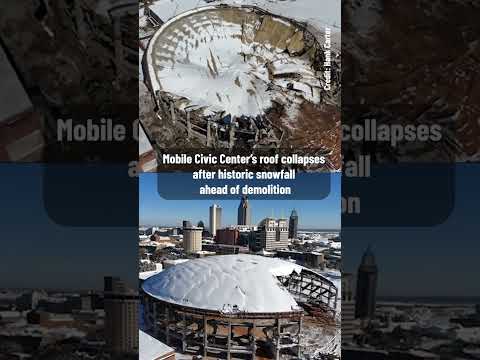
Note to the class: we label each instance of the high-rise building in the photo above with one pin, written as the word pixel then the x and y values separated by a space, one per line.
pixel 192 239
pixel 244 212
pixel 366 286
pixel 215 218
pixel 121 316
pixel 229 236
pixel 293 225
pixel 272 234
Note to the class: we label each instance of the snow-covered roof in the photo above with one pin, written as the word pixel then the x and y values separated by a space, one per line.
pixel 226 283
pixel 152 348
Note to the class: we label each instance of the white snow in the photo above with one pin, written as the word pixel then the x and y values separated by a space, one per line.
pixel 144 145
pixel 336 245
pixel 146 274
pixel 140 70
pixel 151 347
pixel 317 13
pixel 227 283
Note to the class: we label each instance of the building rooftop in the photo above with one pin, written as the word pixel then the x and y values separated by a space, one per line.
pixel 227 283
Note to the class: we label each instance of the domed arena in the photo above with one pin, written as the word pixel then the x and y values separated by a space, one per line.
pixel 234 304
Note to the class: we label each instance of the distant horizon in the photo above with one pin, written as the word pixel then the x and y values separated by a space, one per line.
pixel 312 214
pixel 299 229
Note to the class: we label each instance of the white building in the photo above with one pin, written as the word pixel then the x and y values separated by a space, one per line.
pixel 215 218
pixel 272 234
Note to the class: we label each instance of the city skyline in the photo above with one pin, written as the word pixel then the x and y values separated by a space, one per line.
pixel 313 214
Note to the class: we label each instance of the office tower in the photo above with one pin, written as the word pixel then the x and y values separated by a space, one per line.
pixel 244 212
pixel 215 218
pixel 192 239
pixel 366 286
pixel 229 236
pixel 186 224
pixel 272 234
pixel 293 225
pixel 121 316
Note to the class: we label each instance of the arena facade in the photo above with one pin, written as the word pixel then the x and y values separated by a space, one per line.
pixel 234 305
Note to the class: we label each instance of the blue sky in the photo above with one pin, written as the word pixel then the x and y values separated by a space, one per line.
pixel 313 214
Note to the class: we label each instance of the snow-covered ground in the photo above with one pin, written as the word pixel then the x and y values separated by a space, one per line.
pixel 319 238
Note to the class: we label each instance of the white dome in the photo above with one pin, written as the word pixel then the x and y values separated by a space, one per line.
pixel 227 283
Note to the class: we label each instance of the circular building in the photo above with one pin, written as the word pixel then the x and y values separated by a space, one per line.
pixel 221 73
pixel 234 304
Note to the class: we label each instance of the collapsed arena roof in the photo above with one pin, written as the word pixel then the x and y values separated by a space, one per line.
pixel 236 60
pixel 235 76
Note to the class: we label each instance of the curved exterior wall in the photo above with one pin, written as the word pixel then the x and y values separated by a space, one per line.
pixel 170 322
